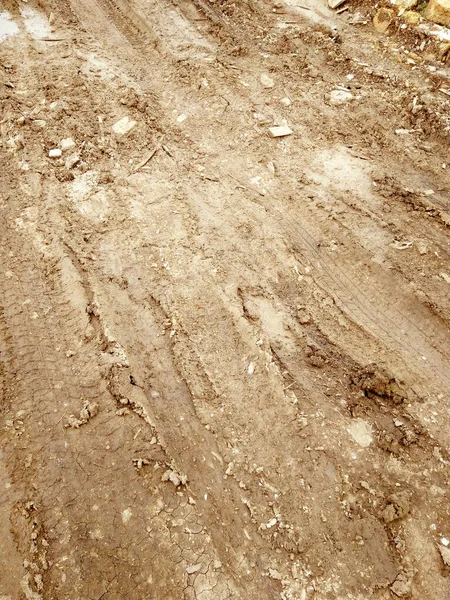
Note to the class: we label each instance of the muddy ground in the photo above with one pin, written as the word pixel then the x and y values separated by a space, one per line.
pixel 224 357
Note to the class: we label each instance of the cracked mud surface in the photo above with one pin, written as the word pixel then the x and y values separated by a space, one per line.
pixel 224 358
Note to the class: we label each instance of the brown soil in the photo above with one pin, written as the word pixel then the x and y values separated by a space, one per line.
pixel 224 372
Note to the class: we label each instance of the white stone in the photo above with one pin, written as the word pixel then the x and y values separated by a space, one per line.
pixel 123 126
pixel 126 515
pixel 55 153
pixel 8 27
pixel 405 4
pixel 66 144
pixel 445 553
pixel 280 131
pixel 72 161
pixel 335 3
pixel 191 569
pixel 338 97
pixel 361 432
pixel 267 81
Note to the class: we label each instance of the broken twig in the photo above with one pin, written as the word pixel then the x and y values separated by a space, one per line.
pixel 149 156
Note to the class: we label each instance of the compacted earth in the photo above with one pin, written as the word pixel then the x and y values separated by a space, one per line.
pixel 224 355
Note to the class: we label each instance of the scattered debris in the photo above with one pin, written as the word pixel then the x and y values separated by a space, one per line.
pixel 140 462
pixel 89 410
pixel 271 523
pixel 280 131
pixel 176 478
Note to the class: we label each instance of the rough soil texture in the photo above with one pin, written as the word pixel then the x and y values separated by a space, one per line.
pixel 224 373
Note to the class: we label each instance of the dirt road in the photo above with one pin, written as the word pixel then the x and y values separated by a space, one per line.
pixel 224 357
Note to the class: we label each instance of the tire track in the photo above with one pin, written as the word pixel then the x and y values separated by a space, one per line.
pixel 372 314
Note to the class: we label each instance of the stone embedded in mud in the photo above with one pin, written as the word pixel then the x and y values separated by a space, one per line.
pixel 444 49
pixel 438 11
pixel 126 515
pixel 193 569
pixel 176 478
pixel 338 97
pixel 66 144
pixel 411 17
pixel 280 131
pixel 72 161
pixel 55 153
pixel 382 19
pixel 123 126
pixel 402 585
pixel 445 554
pixel 405 4
pixel 335 3
pixel 267 81
pixel 361 432
pixel 398 507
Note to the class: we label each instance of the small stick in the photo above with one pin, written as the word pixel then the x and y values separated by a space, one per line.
pixel 167 151
pixel 149 157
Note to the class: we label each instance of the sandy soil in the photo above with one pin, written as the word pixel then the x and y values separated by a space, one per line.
pixel 224 357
